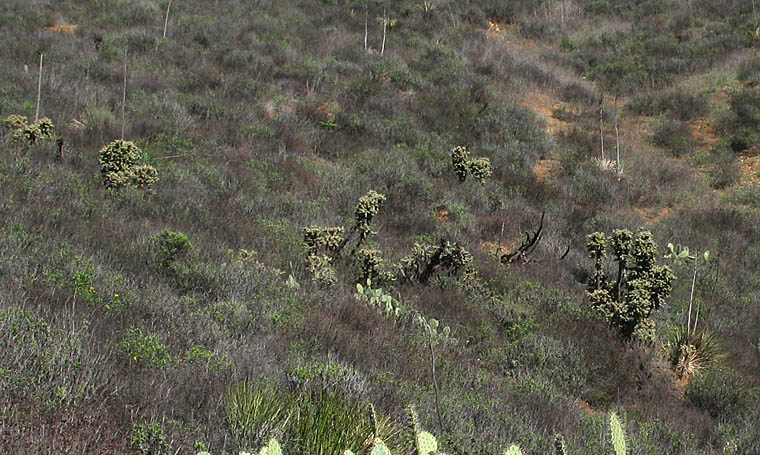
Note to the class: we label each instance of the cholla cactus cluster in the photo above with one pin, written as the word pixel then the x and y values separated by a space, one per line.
pixel 428 259
pixel 119 168
pixel 480 168
pixel 24 132
pixel 324 244
pixel 366 209
pixel 640 286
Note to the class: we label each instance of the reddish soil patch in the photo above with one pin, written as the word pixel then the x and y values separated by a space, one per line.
pixel 63 29
pixel 492 247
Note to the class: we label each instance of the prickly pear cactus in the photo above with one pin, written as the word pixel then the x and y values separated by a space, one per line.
pixel 426 443
pixel 618 437
pixel 379 448
pixel 272 448
pixel 514 450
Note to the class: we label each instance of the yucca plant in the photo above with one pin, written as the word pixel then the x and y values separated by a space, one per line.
pixel 256 411
pixel 690 353
pixel 327 423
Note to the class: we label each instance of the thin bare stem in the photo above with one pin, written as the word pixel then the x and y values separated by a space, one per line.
pixel 385 27
pixel 39 93
pixel 691 300
pixel 601 124
pixel 124 97
pixel 435 384
pixel 617 140
pixel 166 21
pixel 366 26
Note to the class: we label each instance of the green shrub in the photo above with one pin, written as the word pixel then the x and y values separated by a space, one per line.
pixel 170 246
pixel 639 287
pixel 144 349
pixel 721 393
pixel 675 136
pixel 749 72
pixel 149 439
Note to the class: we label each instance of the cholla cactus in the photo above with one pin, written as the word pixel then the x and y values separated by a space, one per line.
pixel 369 261
pixel 22 131
pixel 460 159
pixel 426 259
pixel 318 238
pixel 639 287
pixel 481 169
pixel 320 267
pixel 366 209
pixel 143 176
pixel 118 166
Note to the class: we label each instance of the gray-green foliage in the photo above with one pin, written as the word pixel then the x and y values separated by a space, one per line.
pixel 480 168
pixel 118 166
pixel 427 260
pixel 29 133
pixel 640 286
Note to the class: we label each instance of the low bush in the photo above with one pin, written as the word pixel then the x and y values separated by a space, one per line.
pixel 675 136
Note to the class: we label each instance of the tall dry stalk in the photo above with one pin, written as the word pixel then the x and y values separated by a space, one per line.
pixel 39 92
pixel 124 96
pixel 166 20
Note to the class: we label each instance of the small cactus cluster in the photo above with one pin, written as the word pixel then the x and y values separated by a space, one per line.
pixel 428 259
pixel 119 168
pixel 24 132
pixel 324 244
pixel 372 267
pixel 366 210
pixel 639 287
pixel 480 168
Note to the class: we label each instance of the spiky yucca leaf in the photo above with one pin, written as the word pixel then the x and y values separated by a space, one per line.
pixel 691 353
pixel 618 437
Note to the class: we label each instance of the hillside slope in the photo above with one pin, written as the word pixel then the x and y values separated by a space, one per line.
pixel 134 319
